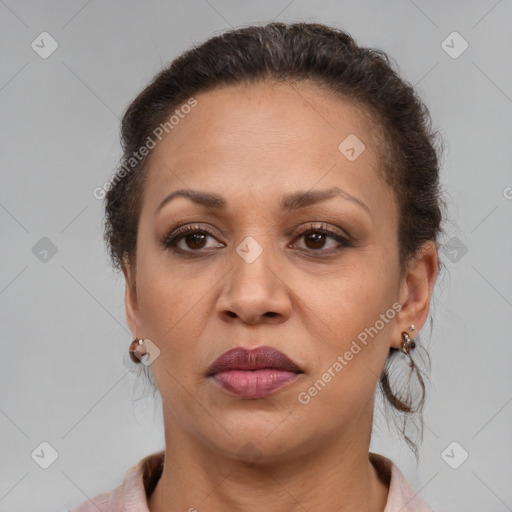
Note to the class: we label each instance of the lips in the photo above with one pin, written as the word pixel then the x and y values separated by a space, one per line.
pixel 253 373
pixel 259 358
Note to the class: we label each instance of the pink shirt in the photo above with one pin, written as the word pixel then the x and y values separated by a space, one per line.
pixel 141 479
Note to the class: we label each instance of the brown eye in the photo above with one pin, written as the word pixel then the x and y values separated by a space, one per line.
pixel 195 240
pixel 190 239
pixel 315 240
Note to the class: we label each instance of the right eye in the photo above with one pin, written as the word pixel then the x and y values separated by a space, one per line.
pixel 189 239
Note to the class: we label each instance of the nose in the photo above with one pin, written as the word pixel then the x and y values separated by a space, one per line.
pixel 254 293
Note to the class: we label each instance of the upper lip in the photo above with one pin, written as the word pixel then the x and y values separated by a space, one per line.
pixel 259 358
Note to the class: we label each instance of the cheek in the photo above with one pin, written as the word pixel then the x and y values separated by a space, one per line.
pixel 173 315
pixel 350 354
pixel 175 308
pixel 167 296
pixel 357 316
pixel 354 297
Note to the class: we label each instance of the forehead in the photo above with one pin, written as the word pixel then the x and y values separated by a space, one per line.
pixel 268 136
pixel 268 113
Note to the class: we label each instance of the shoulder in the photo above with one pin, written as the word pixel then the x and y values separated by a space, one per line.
pixel 401 495
pixel 139 481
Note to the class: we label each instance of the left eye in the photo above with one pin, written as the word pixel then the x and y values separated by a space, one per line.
pixel 316 239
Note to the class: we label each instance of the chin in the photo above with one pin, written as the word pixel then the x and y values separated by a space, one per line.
pixel 260 439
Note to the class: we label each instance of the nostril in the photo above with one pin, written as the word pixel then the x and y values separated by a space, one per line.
pixel 271 313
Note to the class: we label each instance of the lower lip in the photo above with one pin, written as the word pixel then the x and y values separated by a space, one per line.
pixel 254 383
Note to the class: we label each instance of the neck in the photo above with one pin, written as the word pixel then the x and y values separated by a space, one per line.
pixel 338 476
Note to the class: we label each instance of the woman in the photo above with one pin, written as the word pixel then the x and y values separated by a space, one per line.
pixel 276 218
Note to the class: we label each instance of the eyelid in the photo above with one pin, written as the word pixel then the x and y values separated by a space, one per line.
pixel 185 228
pixel 320 226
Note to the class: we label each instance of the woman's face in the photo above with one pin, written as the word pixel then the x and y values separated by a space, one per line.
pixel 298 251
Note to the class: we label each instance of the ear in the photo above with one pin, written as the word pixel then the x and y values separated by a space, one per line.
pixel 130 298
pixel 416 290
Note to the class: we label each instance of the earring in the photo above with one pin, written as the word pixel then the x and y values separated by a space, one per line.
pixel 137 350
pixel 407 342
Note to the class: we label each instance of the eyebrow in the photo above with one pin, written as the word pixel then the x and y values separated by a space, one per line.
pixel 289 203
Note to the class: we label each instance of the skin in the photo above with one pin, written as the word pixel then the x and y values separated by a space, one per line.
pixel 253 145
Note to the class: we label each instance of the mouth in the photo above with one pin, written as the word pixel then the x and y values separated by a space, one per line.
pixel 255 373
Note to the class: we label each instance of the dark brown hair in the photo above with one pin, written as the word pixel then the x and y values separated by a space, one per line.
pixel 290 53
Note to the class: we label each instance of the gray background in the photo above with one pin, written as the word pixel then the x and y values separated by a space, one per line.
pixel 66 378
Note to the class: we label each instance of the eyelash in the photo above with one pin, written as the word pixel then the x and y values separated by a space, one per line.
pixel 170 241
